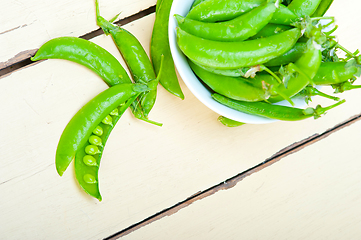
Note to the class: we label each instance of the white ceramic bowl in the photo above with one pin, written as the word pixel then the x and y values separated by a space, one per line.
pixel 182 7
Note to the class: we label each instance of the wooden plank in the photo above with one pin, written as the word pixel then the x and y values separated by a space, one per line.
pixel 312 194
pixel 26 24
pixel 231 182
pixel 144 170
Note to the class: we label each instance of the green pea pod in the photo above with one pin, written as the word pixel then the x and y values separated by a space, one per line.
pixel 232 55
pixel 266 82
pixel 291 56
pixel 284 16
pixel 196 2
pixel 242 72
pixel 271 29
pixel 221 10
pixel 87 54
pixel 322 8
pixel 236 88
pixel 239 72
pixel 272 111
pixel 304 8
pixel 302 72
pixel 159 46
pixel 83 169
pixel 159 2
pixel 229 122
pixel 80 127
pixel 135 57
pixel 238 29
pixel 334 73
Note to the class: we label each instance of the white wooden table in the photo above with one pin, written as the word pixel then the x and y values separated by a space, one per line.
pixel 193 178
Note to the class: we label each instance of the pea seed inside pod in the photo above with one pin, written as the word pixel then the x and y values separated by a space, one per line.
pixel 90 179
pixel 90 161
pixel 95 140
pixel 98 131
pixel 115 112
pixel 108 120
pixel 91 150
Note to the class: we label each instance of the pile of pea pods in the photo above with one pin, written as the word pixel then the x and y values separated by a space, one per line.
pixel 253 53
pixel 83 139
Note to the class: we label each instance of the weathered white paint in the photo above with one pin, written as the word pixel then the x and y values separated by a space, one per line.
pixel 26 24
pixel 312 194
pixel 145 168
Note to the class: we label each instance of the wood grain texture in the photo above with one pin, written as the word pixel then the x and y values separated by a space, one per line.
pixel 144 169
pixel 27 24
pixel 312 194
pixel 232 182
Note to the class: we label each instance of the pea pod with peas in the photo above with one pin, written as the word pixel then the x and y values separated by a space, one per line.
pixel 87 157
pixel 84 137
pixel 233 45
pixel 86 120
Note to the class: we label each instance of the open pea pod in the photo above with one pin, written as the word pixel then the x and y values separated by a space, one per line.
pixel 87 158
pixel 81 126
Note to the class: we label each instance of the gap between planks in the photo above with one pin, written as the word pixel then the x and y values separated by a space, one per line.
pixel 22 60
pixel 231 182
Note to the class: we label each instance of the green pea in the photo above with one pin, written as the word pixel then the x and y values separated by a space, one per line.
pixel 76 133
pixel 108 120
pixel 98 131
pixel 95 140
pixel 91 150
pixel 90 179
pixel 115 112
pixel 90 161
